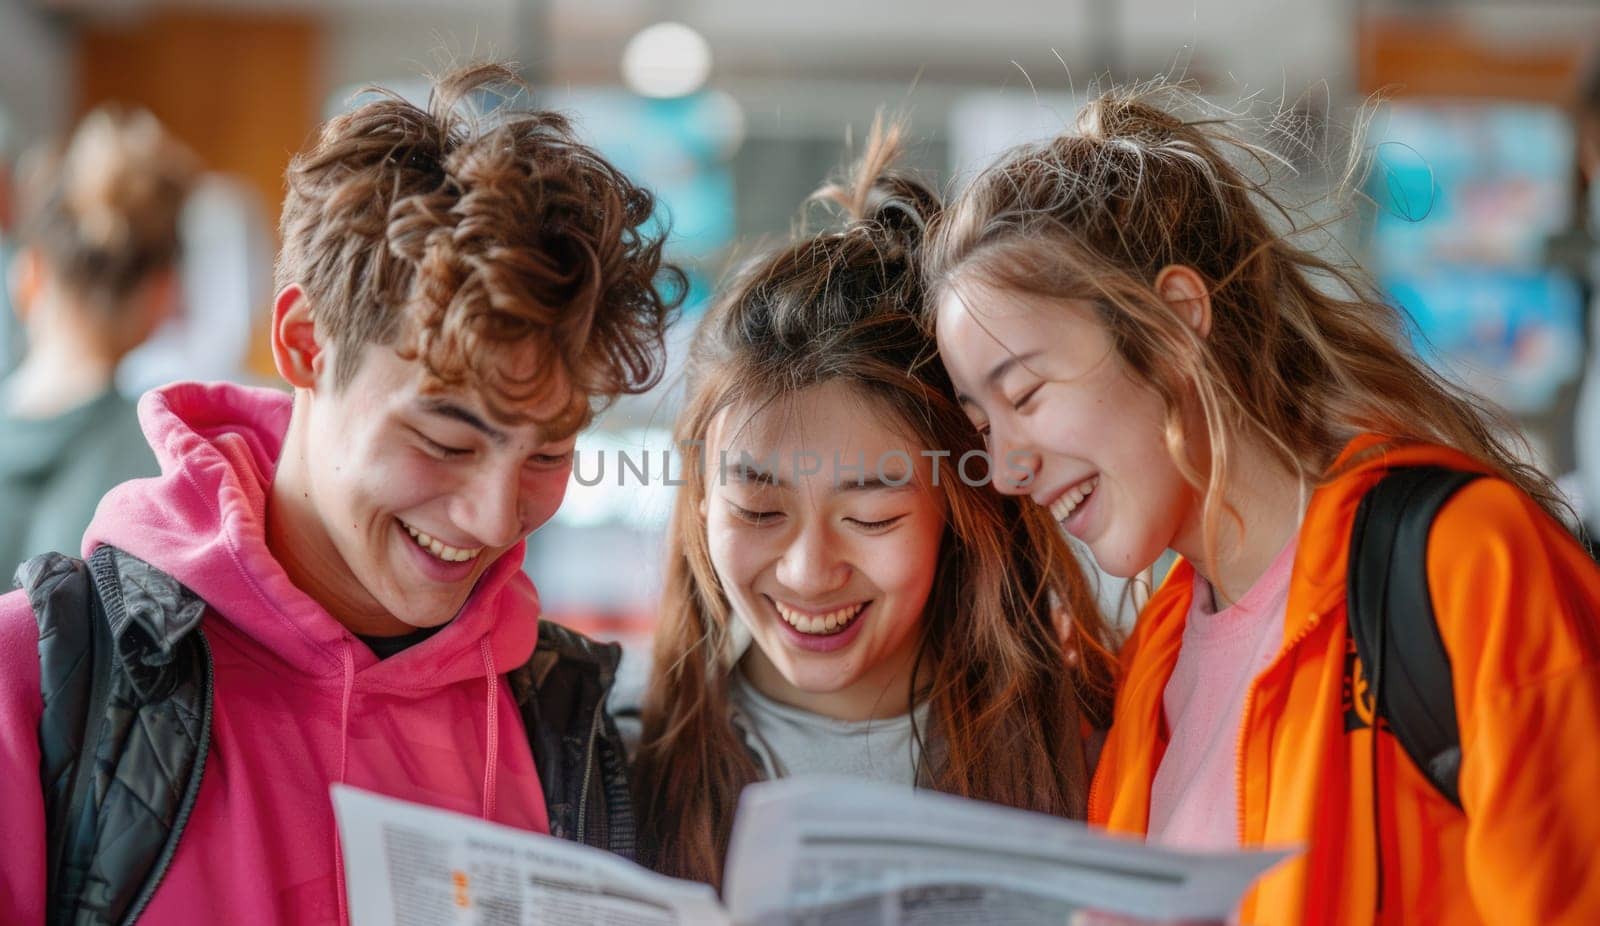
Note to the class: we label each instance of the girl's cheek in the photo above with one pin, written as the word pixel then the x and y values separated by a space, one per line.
pixel 732 554
pixel 903 562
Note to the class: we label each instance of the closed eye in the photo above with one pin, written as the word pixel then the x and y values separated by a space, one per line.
pixel 444 452
pixel 1026 397
pixel 876 525
pixel 753 517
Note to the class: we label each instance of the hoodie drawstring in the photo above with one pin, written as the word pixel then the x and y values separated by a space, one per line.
pixel 492 753
pixel 349 660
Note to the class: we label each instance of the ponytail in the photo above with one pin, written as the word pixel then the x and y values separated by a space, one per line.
pixel 880 197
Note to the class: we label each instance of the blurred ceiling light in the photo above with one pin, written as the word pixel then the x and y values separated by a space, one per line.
pixel 666 60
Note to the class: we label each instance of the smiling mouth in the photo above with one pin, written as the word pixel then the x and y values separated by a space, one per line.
pixel 831 622
pixel 439 549
pixel 1062 508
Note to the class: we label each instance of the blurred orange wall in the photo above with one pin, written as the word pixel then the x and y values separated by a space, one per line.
pixel 1432 56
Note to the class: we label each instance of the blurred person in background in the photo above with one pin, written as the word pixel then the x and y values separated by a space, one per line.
pixel 228 247
pixel 95 275
pixel 10 333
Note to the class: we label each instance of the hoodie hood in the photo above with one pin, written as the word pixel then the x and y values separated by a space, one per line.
pixel 203 521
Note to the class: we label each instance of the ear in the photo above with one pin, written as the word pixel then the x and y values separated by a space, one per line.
pixel 25 276
pixel 1185 291
pixel 296 347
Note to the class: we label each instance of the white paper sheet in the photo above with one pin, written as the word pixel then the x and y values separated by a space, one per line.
pixel 410 865
pixel 844 845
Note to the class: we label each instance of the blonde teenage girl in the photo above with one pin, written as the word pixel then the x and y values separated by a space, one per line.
pixel 1122 312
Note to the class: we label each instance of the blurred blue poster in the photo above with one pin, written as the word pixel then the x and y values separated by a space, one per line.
pixel 1467 194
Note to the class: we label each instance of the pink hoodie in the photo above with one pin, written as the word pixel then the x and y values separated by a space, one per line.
pixel 300 703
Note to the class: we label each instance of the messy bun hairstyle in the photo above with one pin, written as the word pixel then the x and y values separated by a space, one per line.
pixel 1007 714
pixel 104 211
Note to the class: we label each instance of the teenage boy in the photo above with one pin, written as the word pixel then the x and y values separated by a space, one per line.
pixel 326 587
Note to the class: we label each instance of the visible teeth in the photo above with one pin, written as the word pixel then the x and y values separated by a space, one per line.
pixel 1062 508
pixel 439 549
pixel 832 622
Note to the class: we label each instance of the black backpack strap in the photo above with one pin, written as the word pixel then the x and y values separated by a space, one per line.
pixel 126 682
pixel 1392 620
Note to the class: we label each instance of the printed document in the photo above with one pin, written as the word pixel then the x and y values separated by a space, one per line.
pixel 805 852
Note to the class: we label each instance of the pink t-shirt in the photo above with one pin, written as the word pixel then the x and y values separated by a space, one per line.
pixel 1194 800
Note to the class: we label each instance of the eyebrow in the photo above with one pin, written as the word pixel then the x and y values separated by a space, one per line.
pixel 750 475
pixel 744 472
pixel 874 484
pixel 448 409
pixel 1000 370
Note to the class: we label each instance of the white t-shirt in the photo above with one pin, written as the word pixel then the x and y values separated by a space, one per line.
pixel 792 742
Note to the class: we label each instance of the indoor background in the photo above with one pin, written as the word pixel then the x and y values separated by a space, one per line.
pixel 733 111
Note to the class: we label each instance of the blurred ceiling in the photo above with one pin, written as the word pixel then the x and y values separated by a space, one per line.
pixel 1263 43
pixel 799 57
pixel 580 40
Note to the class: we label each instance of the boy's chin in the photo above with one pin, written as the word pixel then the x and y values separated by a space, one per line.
pixel 422 612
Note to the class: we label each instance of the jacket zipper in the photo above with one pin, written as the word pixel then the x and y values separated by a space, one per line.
pixel 1244 720
pixel 191 794
pixel 588 774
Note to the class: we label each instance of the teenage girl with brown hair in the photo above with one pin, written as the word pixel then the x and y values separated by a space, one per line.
pixel 902 623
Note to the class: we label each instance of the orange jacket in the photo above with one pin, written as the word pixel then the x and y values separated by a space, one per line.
pixel 1518 606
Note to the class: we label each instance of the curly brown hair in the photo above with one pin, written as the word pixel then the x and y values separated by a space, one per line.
pixel 504 253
